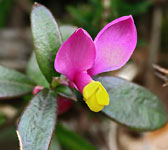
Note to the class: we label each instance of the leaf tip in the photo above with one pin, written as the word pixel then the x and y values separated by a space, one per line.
pixel 20 140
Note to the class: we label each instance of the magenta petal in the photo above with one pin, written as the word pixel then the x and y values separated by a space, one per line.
pixel 76 55
pixel 114 44
pixel 37 89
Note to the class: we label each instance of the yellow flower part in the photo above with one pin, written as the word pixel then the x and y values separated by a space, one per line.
pixel 95 96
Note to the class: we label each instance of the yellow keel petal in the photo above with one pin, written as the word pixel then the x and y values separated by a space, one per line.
pixel 95 96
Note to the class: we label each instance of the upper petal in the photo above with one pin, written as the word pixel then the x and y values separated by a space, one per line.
pixel 114 44
pixel 76 55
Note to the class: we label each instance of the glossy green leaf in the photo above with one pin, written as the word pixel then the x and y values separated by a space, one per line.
pixel 70 140
pixel 37 123
pixel 47 39
pixel 33 71
pixel 133 105
pixel 66 92
pixel 13 83
pixel 67 31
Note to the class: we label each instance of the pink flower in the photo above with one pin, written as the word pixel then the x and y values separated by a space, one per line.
pixel 79 58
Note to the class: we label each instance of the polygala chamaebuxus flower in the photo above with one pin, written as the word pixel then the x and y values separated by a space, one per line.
pixel 79 58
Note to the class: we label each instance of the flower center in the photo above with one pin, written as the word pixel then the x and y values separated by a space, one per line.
pixel 95 96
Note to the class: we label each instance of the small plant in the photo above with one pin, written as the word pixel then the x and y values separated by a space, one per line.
pixel 57 71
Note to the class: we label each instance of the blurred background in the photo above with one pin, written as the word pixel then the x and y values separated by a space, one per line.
pixel 151 19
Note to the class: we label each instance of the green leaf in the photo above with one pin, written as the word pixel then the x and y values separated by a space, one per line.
pixel 66 31
pixel 13 83
pixel 70 140
pixel 54 143
pixel 37 123
pixel 47 39
pixel 33 71
pixel 133 105
pixel 66 92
